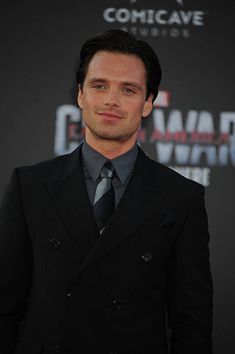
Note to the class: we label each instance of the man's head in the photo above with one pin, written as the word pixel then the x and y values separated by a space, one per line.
pixel 118 81
pixel 118 41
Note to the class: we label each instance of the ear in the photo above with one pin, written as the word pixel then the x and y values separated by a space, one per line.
pixel 148 106
pixel 80 96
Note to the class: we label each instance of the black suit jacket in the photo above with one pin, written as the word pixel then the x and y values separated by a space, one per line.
pixel 66 289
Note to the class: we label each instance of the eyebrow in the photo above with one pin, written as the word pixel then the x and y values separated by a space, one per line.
pixel 124 83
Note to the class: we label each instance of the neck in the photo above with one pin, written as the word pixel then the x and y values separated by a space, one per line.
pixel 110 148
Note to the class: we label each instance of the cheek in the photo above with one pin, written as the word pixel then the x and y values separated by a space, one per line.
pixel 91 101
pixel 137 110
pixel 85 105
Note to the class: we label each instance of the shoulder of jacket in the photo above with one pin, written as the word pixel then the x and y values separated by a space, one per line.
pixel 45 169
pixel 172 179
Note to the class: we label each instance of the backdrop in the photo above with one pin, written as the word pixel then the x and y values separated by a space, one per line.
pixel 191 129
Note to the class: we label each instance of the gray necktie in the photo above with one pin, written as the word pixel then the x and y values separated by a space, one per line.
pixel 104 201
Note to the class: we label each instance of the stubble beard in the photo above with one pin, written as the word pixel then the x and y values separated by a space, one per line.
pixel 109 134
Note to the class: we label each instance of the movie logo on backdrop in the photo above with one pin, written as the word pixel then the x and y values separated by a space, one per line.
pixel 135 18
pixel 190 142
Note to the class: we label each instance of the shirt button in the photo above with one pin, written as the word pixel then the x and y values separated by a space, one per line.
pixel 146 257
pixel 117 304
pixel 54 244
pixel 72 296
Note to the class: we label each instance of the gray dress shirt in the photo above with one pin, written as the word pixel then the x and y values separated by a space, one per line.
pixel 93 162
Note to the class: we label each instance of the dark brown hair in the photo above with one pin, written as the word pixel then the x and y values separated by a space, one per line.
pixel 119 41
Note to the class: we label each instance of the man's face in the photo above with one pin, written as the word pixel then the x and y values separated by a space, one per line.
pixel 113 98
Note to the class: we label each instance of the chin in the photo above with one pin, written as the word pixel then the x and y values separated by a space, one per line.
pixel 111 134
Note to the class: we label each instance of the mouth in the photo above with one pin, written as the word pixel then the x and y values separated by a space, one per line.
pixel 111 115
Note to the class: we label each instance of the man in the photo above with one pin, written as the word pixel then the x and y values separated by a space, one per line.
pixel 93 257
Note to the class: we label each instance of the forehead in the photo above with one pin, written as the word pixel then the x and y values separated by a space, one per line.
pixel 116 66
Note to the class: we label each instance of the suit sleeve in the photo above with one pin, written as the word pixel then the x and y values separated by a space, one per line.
pixel 190 292
pixel 15 265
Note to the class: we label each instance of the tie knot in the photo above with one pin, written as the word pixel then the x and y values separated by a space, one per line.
pixel 108 170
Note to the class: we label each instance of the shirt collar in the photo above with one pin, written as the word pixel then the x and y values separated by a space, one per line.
pixel 123 164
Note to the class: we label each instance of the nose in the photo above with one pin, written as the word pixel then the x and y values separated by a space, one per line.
pixel 111 98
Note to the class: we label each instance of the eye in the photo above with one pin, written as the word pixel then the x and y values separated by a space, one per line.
pixel 99 86
pixel 128 90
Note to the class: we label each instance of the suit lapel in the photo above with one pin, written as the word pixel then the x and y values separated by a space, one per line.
pixel 68 192
pixel 141 199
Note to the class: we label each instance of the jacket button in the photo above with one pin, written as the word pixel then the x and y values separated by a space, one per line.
pixel 53 243
pixel 72 296
pixel 117 304
pixel 56 348
pixel 146 257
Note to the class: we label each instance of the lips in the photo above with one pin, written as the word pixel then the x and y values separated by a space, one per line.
pixel 110 115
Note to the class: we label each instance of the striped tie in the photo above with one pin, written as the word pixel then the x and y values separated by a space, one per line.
pixel 104 202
